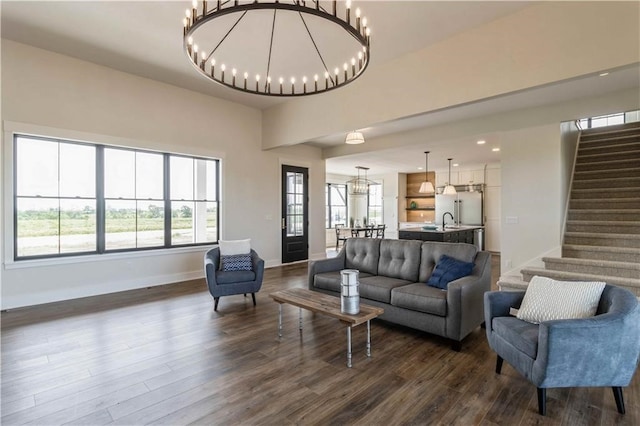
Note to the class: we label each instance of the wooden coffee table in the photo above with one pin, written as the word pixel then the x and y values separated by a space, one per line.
pixel 326 305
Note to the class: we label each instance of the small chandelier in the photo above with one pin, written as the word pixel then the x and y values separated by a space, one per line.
pixel 359 185
pixel 224 41
pixel 354 138
pixel 449 189
pixel 426 187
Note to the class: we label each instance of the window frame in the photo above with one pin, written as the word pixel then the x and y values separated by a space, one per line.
pixel 375 206
pixel 328 211
pixel 100 199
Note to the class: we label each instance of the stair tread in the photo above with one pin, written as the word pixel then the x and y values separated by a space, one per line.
pixel 613 129
pixel 632 282
pixel 603 249
pixel 593 262
pixel 624 189
pixel 599 172
pixel 605 222
pixel 605 210
pixel 600 235
pixel 599 154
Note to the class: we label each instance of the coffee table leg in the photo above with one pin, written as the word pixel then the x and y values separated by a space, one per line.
pixel 369 339
pixel 349 346
pixel 300 319
pixel 279 320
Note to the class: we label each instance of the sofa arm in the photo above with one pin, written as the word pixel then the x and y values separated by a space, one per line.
pixel 598 351
pixel 326 265
pixel 258 267
pixel 499 304
pixel 465 297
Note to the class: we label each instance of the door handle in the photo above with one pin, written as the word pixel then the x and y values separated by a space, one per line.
pixel 284 223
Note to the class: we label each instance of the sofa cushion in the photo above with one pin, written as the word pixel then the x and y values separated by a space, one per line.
pixel 432 251
pixel 331 280
pixel 448 269
pixel 399 259
pixel 236 262
pixel 422 298
pixel 362 254
pixel 547 299
pixel 228 277
pixel 379 287
pixel 520 334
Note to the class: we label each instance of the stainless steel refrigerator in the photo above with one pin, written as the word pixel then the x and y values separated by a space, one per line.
pixel 466 208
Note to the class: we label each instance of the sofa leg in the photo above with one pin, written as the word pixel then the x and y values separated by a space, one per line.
pixel 456 345
pixel 215 303
pixel 499 362
pixel 542 401
pixel 617 394
pixel 483 325
pixel 253 296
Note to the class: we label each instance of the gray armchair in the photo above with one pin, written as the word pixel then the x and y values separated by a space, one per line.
pixel 599 351
pixel 226 283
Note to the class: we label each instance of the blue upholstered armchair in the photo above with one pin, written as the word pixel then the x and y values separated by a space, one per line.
pixel 226 283
pixel 592 352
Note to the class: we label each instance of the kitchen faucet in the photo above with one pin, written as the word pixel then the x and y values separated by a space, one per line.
pixel 445 215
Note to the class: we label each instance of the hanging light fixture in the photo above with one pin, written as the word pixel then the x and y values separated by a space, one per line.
pixel 426 187
pixel 359 185
pixel 449 189
pixel 354 138
pixel 277 40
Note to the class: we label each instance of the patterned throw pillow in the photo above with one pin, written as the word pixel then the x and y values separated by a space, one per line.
pixel 448 269
pixel 547 299
pixel 236 262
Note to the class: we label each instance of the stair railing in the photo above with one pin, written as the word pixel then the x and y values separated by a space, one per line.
pixel 573 172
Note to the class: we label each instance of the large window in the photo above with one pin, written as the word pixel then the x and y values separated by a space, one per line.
pixel 374 205
pixel 336 202
pixel 83 198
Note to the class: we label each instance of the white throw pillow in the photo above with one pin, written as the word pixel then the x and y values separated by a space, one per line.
pixel 547 299
pixel 232 247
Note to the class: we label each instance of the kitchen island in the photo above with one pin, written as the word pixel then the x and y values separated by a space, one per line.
pixel 456 234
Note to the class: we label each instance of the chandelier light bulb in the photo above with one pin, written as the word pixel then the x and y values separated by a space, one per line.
pixel 364 21
pixel 195 3
pixel 348 4
pixel 315 77
pixel 223 67
pixel 190 41
pixel 257 77
pixel 185 22
pixel 204 56
pixel 368 32
pixel 213 62
pixel 233 71
pixel 359 55
pixel 357 12
pixel 195 48
pixel 304 79
pixel 293 80
pixel 326 74
pixel 336 71
pixel 269 80
pixel 187 13
pixel 281 80
pixel 353 61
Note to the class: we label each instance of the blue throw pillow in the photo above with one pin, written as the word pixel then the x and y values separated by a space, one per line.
pixel 236 262
pixel 448 269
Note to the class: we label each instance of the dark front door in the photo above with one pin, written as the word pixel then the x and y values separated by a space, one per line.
pixel 295 214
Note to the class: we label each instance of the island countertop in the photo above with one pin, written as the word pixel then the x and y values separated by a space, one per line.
pixel 461 234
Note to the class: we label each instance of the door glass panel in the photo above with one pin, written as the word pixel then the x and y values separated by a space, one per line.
pixel 294 211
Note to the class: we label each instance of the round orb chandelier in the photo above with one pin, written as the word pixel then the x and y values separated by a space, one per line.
pixel 277 48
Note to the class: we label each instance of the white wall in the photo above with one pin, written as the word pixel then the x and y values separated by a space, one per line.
pixel 531 199
pixel 55 95
pixel 535 46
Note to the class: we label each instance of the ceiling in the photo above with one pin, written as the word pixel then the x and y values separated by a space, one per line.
pixel 145 38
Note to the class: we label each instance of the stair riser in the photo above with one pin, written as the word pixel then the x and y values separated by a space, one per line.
pixel 593 270
pixel 605 193
pixel 600 255
pixel 609 156
pixel 608 216
pixel 611 166
pixel 605 228
pixel 600 142
pixel 605 204
pixel 605 174
pixel 602 241
pixel 607 183
pixel 586 149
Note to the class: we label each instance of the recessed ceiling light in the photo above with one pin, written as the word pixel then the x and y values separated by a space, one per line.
pixel 420 168
pixel 481 142
pixel 495 149
pixel 455 164
pixel 604 74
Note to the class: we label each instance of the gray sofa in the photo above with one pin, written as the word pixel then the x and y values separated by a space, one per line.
pixel 393 276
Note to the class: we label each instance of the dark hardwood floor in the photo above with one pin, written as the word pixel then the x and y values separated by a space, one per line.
pixel 163 356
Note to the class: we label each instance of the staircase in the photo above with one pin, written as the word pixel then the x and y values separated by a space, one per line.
pixel 602 234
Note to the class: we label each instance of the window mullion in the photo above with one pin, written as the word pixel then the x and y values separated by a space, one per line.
pixel 100 201
pixel 167 200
